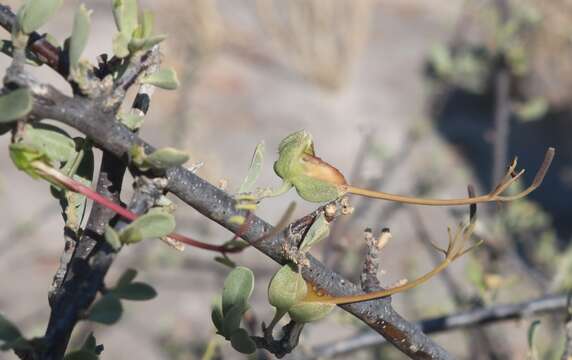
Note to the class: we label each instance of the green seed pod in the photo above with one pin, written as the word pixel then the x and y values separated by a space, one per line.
pixel 308 312
pixel 314 179
pixel 286 288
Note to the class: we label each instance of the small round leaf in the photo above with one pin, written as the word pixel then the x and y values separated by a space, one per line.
pixel 15 104
pixel 136 291
pixel 35 13
pixel 237 289
pixel 241 342
pixel 107 310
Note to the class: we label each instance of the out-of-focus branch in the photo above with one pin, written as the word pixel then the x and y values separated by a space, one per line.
pixel 465 319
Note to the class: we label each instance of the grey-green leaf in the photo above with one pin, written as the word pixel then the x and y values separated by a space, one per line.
pixel 15 105
pixel 241 342
pixel 8 331
pixel 90 344
pixel 107 310
pixel 51 141
pixel 136 291
pixel 81 355
pixel 120 45
pixel 164 79
pixel 132 121
pixel 80 34
pixel 154 224
pixel 286 288
pixel 309 311
pixel 35 13
pixel 127 277
pixel 238 287
pixel 130 235
pixel 112 238
pixel 319 230
pixel 254 170
pixel 216 314
pixel 232 318
pixel 165 158
pixel 125 14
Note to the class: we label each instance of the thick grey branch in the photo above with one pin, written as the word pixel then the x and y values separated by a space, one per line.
pixel 219 206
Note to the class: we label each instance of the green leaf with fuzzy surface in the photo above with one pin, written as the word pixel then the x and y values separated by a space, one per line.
pixel 237 289
pixel 15 105
pixel 127 277
pixel 35 13
pixel 241 342
pixel 135 291
pixel 120 45
pixel 112 238
pixel 126 16
pixel 164 79
pixel 80 34
pixel 8 331
pixel 154 224
pixel 165 158
pixel 23 156
pixel 107 310
pixel 319 230
pixel 50 140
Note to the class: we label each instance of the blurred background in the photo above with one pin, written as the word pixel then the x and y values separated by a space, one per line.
pixel 412 97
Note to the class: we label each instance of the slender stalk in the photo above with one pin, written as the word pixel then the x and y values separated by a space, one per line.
pixel 61 179
pixel 338 300
pixel 509 178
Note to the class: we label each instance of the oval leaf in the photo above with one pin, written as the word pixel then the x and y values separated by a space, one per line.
pixel 35 13
pixel 125 14
pixel 164 79
pixel 165 158
pixel 154 224
pixel 15 105
pixel 80 34
pixel 81 355
pixel 237 289
pixel 216 314
pixel 241 342
pixel 319 230
pixel 106 311
pixel 286 288
pixel 8 331
pixel 112 238
pixel 309 311
pixel 130 236
pixel 136 291
pixel 127 277
pixel 232 318
pixel 51 141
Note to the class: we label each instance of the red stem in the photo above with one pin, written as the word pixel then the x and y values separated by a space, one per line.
pixel 76 186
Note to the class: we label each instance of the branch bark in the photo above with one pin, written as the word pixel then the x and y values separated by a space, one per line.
pixel 219 206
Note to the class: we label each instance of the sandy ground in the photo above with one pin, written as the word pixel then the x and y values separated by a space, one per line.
pixel 229 105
